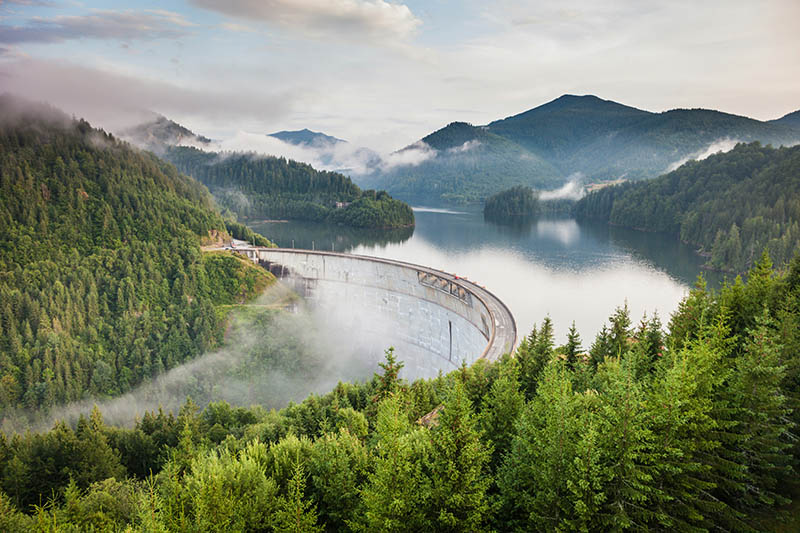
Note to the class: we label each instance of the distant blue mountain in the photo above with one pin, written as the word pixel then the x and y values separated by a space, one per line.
pixel 306 137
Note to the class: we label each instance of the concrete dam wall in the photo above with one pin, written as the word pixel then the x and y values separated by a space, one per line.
pixel 434 320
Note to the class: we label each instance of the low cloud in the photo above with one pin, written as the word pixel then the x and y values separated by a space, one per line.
pixel 413 155
pixel 345 18
pixel 572 190
pixel 117 101
pixel 116 25
pixel 466 147
pixel 720 145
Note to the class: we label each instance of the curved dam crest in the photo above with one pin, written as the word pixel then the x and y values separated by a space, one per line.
pixel 435 320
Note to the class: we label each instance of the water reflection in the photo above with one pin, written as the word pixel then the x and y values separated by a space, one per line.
pixel 311 235
pixel 556 266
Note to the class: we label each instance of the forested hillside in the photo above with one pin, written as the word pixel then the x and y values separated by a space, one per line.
pixel 102 282
pixel 689 429
pixel 731 206
pixel 255 186
pixel 582 137
pixel 602 139
pixel 792 120
pixel 514 202
pixel 466 165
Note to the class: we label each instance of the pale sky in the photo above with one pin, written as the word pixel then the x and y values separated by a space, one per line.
pixel 383 74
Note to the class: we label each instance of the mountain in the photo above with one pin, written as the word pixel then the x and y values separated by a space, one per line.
pixel 557 129
pixel 605 140
pixel 255 186
pixel 731 206
pixel 306 137
pixel 157 134
pixel 792 120
pixel 103 282
pixel 586 136
pixel 463 163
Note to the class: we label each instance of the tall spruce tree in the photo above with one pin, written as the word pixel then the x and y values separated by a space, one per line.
pixel 458 467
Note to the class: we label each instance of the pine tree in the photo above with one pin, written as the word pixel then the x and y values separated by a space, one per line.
pixel 295 514
pixel 762 417
pixel 533 478
pixel 500 410
pixel 458 467
pixel 398 491
pixel 573 346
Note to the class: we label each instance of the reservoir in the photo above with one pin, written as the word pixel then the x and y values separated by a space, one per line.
pixel 555 267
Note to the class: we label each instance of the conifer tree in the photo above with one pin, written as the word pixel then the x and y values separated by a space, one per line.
pixel 763 418
pixel 573 346
pixel 500 410
pixel 458 468
pixel 295 514
pixel 398 491
pixel 533 478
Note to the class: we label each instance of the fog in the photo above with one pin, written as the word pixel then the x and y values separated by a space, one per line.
pixel 571 190
pixel 270 358
pixel 719 146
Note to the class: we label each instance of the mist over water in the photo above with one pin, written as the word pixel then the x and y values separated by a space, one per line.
pixel 554 266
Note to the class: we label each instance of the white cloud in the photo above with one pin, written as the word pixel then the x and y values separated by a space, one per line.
pixel 345 18
pixel 100 24
pixel 466 147
pixel 720 145
pixel 413 155
pixel 116 100
pixel 572 190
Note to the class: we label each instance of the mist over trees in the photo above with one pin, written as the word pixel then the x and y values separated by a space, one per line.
pixel 103 283
pixel 689 427
pixel 599 139
pixel 259 187
pixel 731 206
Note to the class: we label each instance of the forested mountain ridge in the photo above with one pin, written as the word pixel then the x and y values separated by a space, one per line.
pixel 159 133
pixel 306 136
pixel 605 140
pixel 792 120
pixel 586 136
pixel 102 282
pixel 463 163
pixel 256 186
pixel 731 206
pixel 691 428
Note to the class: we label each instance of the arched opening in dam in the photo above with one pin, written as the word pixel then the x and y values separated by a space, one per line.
pixel 435 320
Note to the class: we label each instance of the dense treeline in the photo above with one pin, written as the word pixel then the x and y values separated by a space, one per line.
pixel 270 187
pixel 731 206
pixel 519 201
pixel 465 164
pixel 689 429
pixel 102 282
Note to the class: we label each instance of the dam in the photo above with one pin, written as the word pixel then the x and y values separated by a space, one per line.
pixel 436 321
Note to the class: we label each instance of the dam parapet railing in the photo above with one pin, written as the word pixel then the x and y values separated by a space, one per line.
pixel 441 319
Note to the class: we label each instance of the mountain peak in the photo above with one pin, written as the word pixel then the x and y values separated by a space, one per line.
pixel 160 132
pixel 305 137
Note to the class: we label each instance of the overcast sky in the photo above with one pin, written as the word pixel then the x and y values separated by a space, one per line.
pixel 385 73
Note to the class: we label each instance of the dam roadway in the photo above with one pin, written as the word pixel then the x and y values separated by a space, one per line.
pixel 439 319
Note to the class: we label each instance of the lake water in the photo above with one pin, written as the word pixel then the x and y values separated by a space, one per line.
pixel 554 266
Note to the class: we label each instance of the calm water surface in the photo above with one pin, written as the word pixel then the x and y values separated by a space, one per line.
pixel 556 266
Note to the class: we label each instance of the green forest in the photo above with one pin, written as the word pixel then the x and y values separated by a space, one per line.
pixel 519 201
pixel 466 165
pixel 731 206
pixel 259 187
pixel 572 135
pixel 102 280
pixel 691 427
